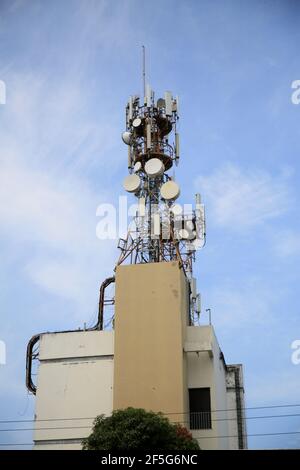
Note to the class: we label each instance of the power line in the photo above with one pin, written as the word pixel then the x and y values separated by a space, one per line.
pixel 248 417
pixel 177 422
pixel 250 435
pixel 198 438
pixel 165 414
pixel 242 409
pixel 259 417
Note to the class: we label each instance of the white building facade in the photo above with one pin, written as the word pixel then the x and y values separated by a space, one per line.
pixel 75 384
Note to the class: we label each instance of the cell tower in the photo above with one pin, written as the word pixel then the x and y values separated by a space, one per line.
pixel 161 230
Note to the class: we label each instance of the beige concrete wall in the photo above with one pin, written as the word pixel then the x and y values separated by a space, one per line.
pixel 151 364
pixel 76 344
pixel 75 380
pixel 150 323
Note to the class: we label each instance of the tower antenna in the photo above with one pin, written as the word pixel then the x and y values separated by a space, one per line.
pixel 144 71
pixel 161 230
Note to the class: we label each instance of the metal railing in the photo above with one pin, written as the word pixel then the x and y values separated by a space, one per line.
pixel 200 420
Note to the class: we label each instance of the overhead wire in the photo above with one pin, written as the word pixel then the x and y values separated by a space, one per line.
pixel 291 405
pixel 83 427
pixel 198 438
pixel 54 428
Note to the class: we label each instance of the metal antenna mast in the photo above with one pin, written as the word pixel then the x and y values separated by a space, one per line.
pixel 162 229
pixel 144 71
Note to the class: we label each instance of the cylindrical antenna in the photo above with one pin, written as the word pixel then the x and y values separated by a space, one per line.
pixel 144 71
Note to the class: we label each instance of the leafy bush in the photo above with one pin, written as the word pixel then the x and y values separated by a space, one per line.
pixel 137 429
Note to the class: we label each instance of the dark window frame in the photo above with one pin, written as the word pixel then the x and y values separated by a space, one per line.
pixel 200 408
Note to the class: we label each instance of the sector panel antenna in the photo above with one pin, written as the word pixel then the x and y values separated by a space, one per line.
pixel 161 103
pixel 176 209
pixel 183 234
pixel 169 103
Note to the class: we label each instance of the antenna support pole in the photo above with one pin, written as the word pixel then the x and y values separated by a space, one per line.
pixel 144 71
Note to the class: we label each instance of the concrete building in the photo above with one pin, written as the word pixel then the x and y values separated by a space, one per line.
pixel 153 359
pixel 74 385
pixel 157 356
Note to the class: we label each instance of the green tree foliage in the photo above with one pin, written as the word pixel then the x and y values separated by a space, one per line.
pixel 137 429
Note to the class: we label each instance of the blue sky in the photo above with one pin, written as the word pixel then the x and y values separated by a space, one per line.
pixel 69 67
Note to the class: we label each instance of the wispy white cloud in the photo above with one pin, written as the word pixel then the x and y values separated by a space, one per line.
pixel 74 278
pixel 263 389
pixel 52 122
pixel 238 199
pixel 47 209
pixel 36 207
pixel 54 223
pixel 249 302
pixel 286 243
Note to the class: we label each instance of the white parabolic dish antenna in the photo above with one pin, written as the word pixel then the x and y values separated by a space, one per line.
pixel 137 122
pixel 132 183
pixel 170 190
pixel 154 167
pixel 126 137
pixel 137 167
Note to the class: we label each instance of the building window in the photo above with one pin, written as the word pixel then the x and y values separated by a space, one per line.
pixel 200 411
